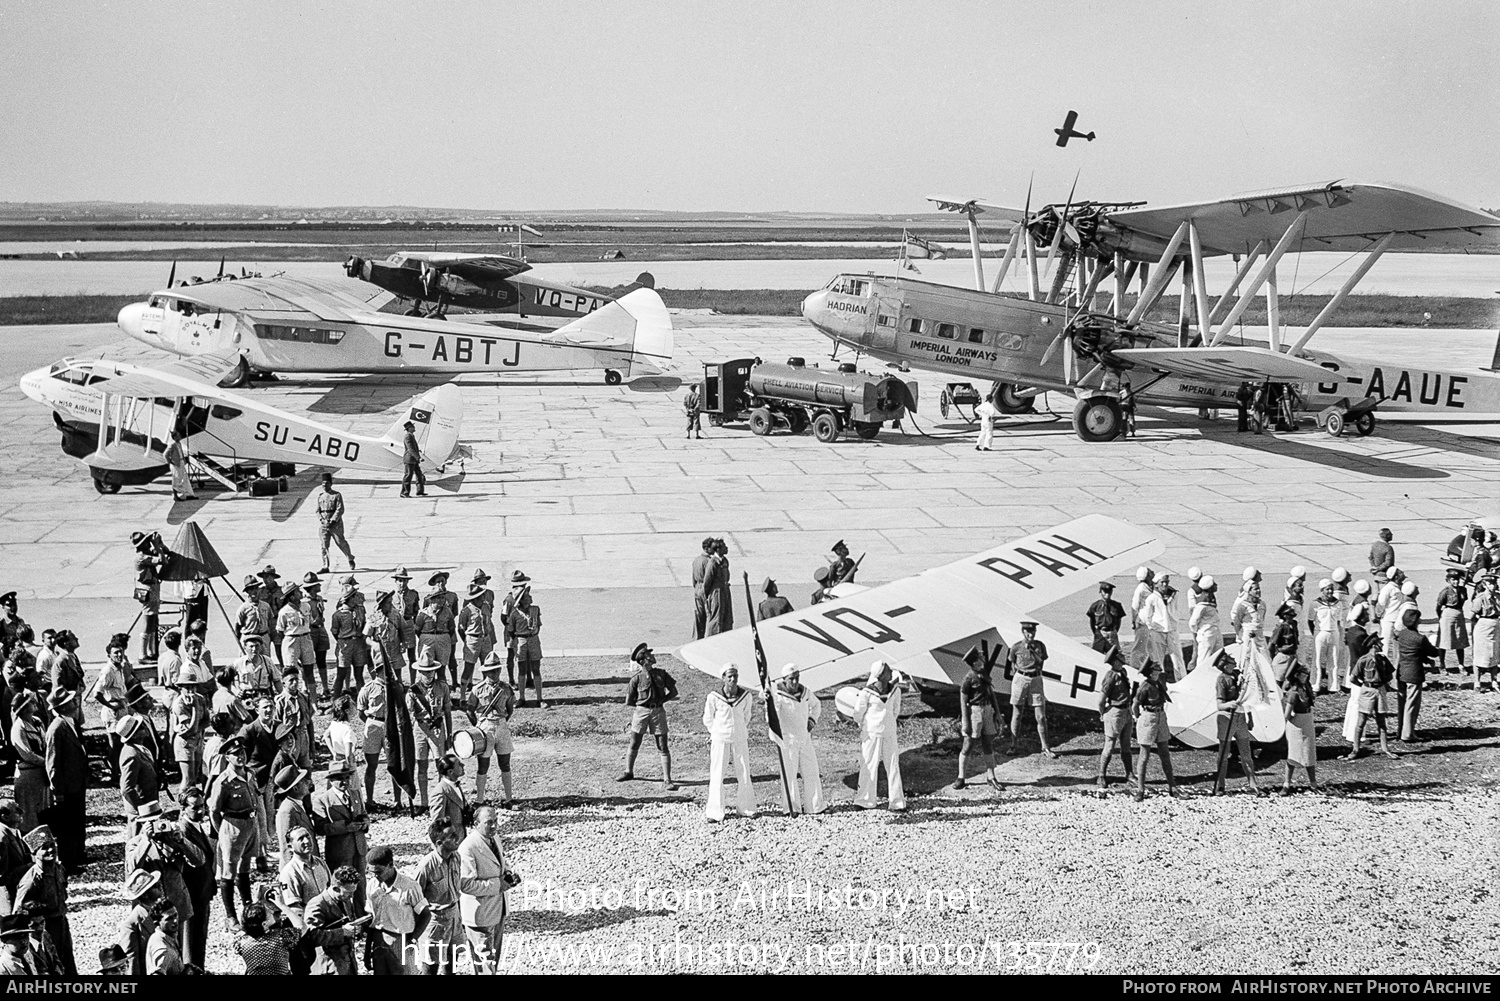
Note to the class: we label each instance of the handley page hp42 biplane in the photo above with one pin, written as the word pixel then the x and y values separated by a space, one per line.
pixel 118 419
pixel 1053 338
pixel 922 626
pixel 280 324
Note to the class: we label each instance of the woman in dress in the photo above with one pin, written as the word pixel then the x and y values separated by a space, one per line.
pixel 1301 743
pixel 32 794
pixel 1486 610
pixel 1453 632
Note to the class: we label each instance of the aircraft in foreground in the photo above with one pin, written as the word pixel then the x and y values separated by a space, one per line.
pixel 1059 336
pixel 488 283
pixel 278 324
pixel 924 625
pixel 118 418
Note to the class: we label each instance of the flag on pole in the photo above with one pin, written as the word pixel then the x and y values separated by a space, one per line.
pixel 401 748
pixel 773 722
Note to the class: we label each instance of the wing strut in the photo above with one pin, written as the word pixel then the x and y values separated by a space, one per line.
pixel 1282 246
pixel 1239 276
pixel 1200 287
pixel 1343 292
pixel 1010 255
pixel 1159 281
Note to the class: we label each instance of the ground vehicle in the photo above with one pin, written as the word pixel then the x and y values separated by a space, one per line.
pixel 797 396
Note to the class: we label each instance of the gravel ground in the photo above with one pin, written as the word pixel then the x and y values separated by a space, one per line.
pixel 1391 872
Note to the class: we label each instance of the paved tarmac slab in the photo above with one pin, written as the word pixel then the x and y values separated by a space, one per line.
pixel 594 491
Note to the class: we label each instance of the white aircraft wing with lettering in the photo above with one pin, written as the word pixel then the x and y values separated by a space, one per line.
pixel 923 625
pixel 198 375
pixel 1230 364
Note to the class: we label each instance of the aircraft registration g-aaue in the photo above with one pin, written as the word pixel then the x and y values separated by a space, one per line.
pixel 912 623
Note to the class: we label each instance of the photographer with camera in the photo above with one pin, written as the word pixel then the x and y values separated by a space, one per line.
pixel 151 559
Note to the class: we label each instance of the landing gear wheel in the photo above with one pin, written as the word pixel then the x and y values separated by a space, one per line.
pixel 867 430
pixel 1365 424
pixel 239 377
pixel 761 421
pixel 826 428
pixel 105 488
pixel 797 419
pixel 943 403
pixel 611 377
pixel 1098 418
pixel 1335 425
pixel 1008 402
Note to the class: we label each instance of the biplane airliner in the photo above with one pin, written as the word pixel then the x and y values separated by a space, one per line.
pixel 279 324
pixel 924 625
pixel 1057 337
pixel 118 418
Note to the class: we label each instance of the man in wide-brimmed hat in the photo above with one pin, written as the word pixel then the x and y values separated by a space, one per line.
pixel 525 627
pixel 139 782
pixel 341 810
pixel 67 778
pixel 254 616
pixel 292 787
pixel 431 709
pixel 519 582
pixel 437 623
pixel 142 889
pixel 489 706
pixel 408 603
pixel 475 631
pixel 296 637
pixel 347 628
pixel 315 607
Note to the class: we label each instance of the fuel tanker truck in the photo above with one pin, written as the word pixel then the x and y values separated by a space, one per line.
pixel 796 396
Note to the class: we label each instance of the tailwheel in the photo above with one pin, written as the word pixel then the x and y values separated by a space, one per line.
pixel 611 377
pixel 1365 424
pixel 1098 418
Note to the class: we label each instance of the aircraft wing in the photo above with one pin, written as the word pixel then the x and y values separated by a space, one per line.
pixel 980 206
pixel 1344 216
pixel 924 624
pixel 482 266
pixel 195 376
pixel 1233 364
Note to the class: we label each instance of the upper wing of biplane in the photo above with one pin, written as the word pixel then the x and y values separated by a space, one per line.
pixel 478 267
pixel 197 375
pixel 1343 216
pixel 923 625
pixel 978 206
pixel 1244 364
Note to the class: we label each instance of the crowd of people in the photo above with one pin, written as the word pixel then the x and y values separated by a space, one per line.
pixel 303 891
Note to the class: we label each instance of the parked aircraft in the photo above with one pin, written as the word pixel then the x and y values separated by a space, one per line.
pixel 118 418
pixel 1062 338
pixel 923 626
pixel 487 283
pixel 279 324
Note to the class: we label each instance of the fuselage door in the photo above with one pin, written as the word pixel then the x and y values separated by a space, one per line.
pixel 886 322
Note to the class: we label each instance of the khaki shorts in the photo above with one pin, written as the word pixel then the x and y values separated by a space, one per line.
pixel 1026 691
pixel 981 722
pixel 237 839
pixel 652 721
pixel 498 731
pixel 1117 723
pixel 374 737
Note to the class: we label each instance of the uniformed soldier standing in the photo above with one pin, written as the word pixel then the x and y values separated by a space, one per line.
pixel 979 708
pixel 1105 617
pixel 476 632
pixel 692 405
pixel 519 582
pixel 331 522
pixel 525 628
pixel 1027 658
pixel 490 706
pixel 408 603
pixel 841 569
pixel 431 710
pixel 773 604
pixel 1115 694
pixel 348 630
pixel 232 813
pixel 411 462
pixel 254 616
pixel 649 690
pixel 438 632
pixel 726 716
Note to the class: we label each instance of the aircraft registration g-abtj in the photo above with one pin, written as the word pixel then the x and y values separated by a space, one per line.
pixel 1060 338
pixel 288 325
pixel 118 419
pixel 924 625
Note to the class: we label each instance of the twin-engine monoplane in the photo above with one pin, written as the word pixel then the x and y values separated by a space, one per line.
pixel 1066 333
pixel 924 625
pixel 119 419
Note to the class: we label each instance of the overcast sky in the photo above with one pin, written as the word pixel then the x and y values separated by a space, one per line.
pixel 860 107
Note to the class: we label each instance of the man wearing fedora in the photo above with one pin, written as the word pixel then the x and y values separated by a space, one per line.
pixel 341 811
pixel 437 623
pixel 490 706
pixel 431 710
pixel 331 522
pixel 139 782
pixel 411 462
pixel 231 813
pixel 67 672
pixel 295 709
pixel 293 783
pixel 68 778
pixel 475 631
pixel 141 889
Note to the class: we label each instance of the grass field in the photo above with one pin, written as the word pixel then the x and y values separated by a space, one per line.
pixel 1357 311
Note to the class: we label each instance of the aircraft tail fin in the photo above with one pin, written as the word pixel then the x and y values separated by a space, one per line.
pixel 653 329
pixel 437 417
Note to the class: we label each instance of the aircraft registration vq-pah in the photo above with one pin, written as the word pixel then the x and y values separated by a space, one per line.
pixel 288 325
pixel 1057 338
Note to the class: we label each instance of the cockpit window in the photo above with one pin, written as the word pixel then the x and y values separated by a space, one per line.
pixel 845 285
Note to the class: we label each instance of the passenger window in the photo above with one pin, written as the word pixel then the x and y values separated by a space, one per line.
pixel 976 336
pixel 946 331
pixel 223 413
pixel 914 325
pixel 882 320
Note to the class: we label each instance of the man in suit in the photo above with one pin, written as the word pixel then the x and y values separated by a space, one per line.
pixel 68 778
pixel 329 918
pixel 450 801
pixel 341 812
pixel 482 882
pixel 703 583
pixel 261 745
pixel 192 823
pixel 140 785
pixel 15 856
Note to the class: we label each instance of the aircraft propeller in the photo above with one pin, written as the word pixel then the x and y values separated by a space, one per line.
pixel 220 275
pixel 172 275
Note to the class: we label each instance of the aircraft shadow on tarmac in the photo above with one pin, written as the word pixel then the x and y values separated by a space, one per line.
pixel 375 396
pixel 1283 444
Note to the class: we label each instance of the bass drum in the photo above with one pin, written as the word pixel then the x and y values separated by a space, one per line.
pixel 844 701
pixel 470 742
